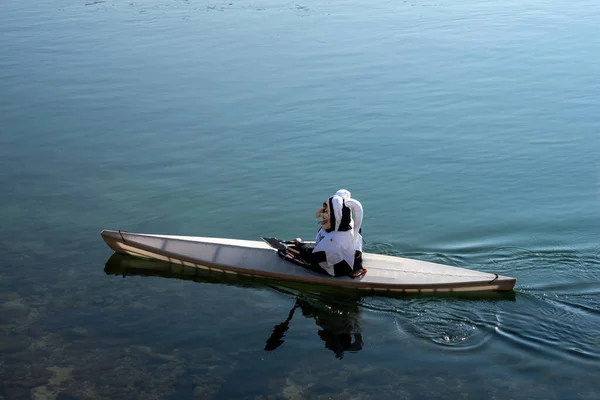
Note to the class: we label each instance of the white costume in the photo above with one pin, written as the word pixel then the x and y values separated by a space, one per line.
pixel 344 238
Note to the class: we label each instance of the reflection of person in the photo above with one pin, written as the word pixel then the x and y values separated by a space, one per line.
pixel 337 250
pixel 340 329
pixel 339 323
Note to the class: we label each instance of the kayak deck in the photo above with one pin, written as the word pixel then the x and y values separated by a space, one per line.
pixel 258 259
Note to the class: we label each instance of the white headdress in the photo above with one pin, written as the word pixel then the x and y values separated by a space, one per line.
pixel 354 205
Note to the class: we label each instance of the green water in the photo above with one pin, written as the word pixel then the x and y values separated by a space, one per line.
pixel 468 130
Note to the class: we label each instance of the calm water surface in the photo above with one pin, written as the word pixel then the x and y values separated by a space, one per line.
pixel 469 130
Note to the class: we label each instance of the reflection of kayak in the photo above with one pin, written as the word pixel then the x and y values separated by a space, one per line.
pixel 258 259
pixel 337 316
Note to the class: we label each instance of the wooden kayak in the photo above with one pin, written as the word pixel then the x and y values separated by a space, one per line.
pixel 257 259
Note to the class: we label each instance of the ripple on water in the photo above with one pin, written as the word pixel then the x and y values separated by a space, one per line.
pixel 548 266
pixel 551 323
pixel 556 311
pixel 456 323
pixel 545 339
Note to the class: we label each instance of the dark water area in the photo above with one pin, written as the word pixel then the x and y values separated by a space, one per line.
pixel 468 130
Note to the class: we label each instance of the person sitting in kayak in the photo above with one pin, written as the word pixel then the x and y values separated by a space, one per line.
pixel 337 250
